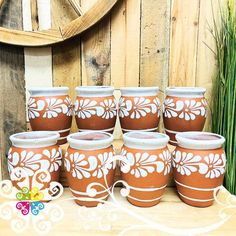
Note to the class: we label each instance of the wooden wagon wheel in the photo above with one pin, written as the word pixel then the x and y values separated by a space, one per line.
pixel 49 37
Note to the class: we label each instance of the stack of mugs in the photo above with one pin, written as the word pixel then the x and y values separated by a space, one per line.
pixel 145 161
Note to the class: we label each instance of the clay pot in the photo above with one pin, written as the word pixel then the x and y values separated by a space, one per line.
pixel 146 166
pixel 51 109
pixel 31 154
pixel 139 109
pixel 89 166
pixel 198 166
pixel 184 109
pixel 95 108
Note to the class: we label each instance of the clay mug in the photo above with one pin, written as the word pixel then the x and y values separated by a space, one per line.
pixel 31 155
pixel 145 167
pixel 139 109
pixel 198 166
pixel 95 108
pixel 184 109
pixel 90 167
pixel 51 109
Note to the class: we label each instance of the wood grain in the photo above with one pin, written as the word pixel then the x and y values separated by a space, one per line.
pixel 95 46
pixel 76 6
pixel 132 42
pixel 154 48
pixel 66 56
pixel 12 84
pixel 206 60
pixel 34 15
pixel 184 41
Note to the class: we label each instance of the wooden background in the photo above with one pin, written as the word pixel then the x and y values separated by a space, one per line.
pixel 139 43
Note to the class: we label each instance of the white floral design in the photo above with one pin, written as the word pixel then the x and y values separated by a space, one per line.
pixel 142 107
pixel 107 109
pixel 156 101
pixel 85 108
pixel 191 110
pixel 54 107
pixel 34 107
pixel 79 165
pixel 28 161
pixel 54 157
pixel 187 163
pixel 105 164
pixel 140 164
pixel 165 163
pixel 215 166
pixel 204 103
pixel 170 109
pixel 125 107
pixel 69 105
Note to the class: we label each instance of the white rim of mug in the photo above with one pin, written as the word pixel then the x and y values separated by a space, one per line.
pixel 94 91
pixel 39 141
pixel 159 141
pixel 139 91
pixel 190 143
pixel 89 144
pixel 48 91
pixel 185 91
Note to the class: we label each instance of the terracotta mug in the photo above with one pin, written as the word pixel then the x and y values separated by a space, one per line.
pixel 51 109
pixel 90 167
pixel 198 166
pixel 139 109
pixel 95 108
pixel 184 109
pixel 31 154
pixel 146 166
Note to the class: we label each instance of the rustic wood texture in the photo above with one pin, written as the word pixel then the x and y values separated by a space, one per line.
pixel 34 15
pixel 12 85
pixel 184 42
pixel 76 6
pixel 171 213
pixel 66 56
pixel 95 46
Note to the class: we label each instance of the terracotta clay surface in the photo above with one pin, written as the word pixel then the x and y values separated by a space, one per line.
pixel 146 171
pixel 27 161
pixel 139 111
pixel 183 113
pixel 89 170
pixel 52 113
pixel 95 108
pixel 197 173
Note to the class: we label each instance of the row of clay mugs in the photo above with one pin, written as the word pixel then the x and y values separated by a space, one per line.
pixel 145 162
pixel 184 109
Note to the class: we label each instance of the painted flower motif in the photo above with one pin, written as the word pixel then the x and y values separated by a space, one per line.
pixel 34 108
pixel 125 107
pixel 165 164
pixel 54 157
pixel 187 163
pixel 215 166
pixel 28 161
pixel 107 109
pixel 79 165
pixel 170 109
pixel 54 107
pixel 140 164
pixel 142 107
pixel 85 108
pixel 156 101
pixel 204 111
pixel 191 110
pixel 68 104
pixel 105 165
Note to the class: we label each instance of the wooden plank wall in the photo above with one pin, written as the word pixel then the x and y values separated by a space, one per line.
pixel 12 83
pixel 139 43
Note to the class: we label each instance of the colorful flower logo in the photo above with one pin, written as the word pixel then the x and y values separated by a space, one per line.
pixel 29 201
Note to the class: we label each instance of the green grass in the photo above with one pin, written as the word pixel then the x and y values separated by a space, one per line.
pixel 224 90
